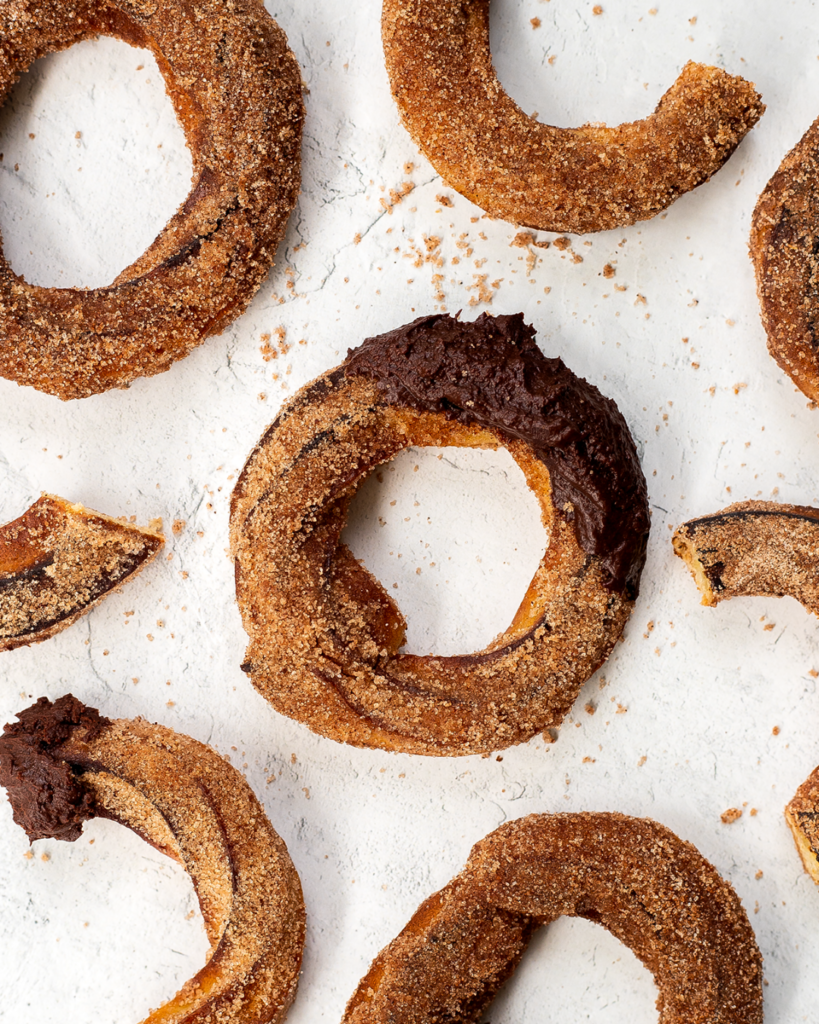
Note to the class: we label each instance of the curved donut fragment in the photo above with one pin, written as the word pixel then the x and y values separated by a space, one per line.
pixel 754 548
pixel 63 763
pixel 556 179
pixel 58 560
pixel 654 892
pixel 802 816
pixel 785 251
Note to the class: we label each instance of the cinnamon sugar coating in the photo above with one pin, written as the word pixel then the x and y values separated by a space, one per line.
pixel 802 816
pixel 185 800
pixel 556 179
pixel 58 560
pixel 325 636
pixel 653 891
pixel 754 548
pixel 236 89
pixel 784 249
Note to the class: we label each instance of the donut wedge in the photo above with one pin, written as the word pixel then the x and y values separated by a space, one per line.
pixel 58 560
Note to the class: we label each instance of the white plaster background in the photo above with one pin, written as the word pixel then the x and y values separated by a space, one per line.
pixel 108 930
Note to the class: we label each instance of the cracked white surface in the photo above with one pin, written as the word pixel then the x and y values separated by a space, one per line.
pixel 104 931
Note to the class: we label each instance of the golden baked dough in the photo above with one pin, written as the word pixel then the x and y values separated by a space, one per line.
pixel 63 763
pixel 236 89
pixel 556 179
pixel 785 251
pixel 754 548
pixel 325 636
pixel 650 889
pixel 58 560
pixel 802 816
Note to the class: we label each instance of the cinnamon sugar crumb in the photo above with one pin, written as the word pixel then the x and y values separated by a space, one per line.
pixel 731 815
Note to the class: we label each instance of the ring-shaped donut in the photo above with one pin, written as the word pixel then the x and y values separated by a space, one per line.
pixel 654 892
pixel 63 763
pixel 58 560
pixel 236 89
pixel 325 636
pixel 785 251
pixel 557 179
pixel 754 548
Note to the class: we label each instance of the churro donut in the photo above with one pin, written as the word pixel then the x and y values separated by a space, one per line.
pixel 236 89
pixel 802 816
pixel 785 252
pixel 58 560
pixel 653 891
pixel 325 636
pixel 556 179
pixel 754 548
pixel 63 763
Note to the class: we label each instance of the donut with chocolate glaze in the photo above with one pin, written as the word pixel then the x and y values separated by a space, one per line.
pixel 58 560
pixel 754 548
pixel 802 816
pixel 557 179
pixel 236 89
pixel 325 637
pixel 654 892
pixel 785 252
pixel 63 763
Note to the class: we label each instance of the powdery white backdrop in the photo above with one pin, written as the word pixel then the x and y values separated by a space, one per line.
pixel 697 711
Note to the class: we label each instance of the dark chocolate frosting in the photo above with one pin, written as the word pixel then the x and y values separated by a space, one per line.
pixel 46 794
pixel 491 372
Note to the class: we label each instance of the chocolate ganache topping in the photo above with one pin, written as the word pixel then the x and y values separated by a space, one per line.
pixel 46 795
pixel 491 372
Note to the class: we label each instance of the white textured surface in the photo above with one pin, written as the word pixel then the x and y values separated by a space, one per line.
pixel 101 932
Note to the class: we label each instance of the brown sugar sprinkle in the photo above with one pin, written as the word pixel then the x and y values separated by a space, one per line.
pixel 590 708
pixel 562 243
pixel 535 23
pixel 609 271
pixel 397 195
pixel 758 875
pixel 444 200
pixel 597 9
pixel 776 730
pixel 731 815
pixel 178 526
pixel 272 350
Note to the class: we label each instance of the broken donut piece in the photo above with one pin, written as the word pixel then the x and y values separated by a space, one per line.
pixel 802 816
pixel 650 889
pixel 583 179
pixel 63 763
pixel 58 560
pixel 754 548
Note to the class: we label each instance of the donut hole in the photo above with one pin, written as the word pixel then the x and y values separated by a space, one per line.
pixel 455 536
pixel 561 69
pixel 576 970
pixel 94 164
